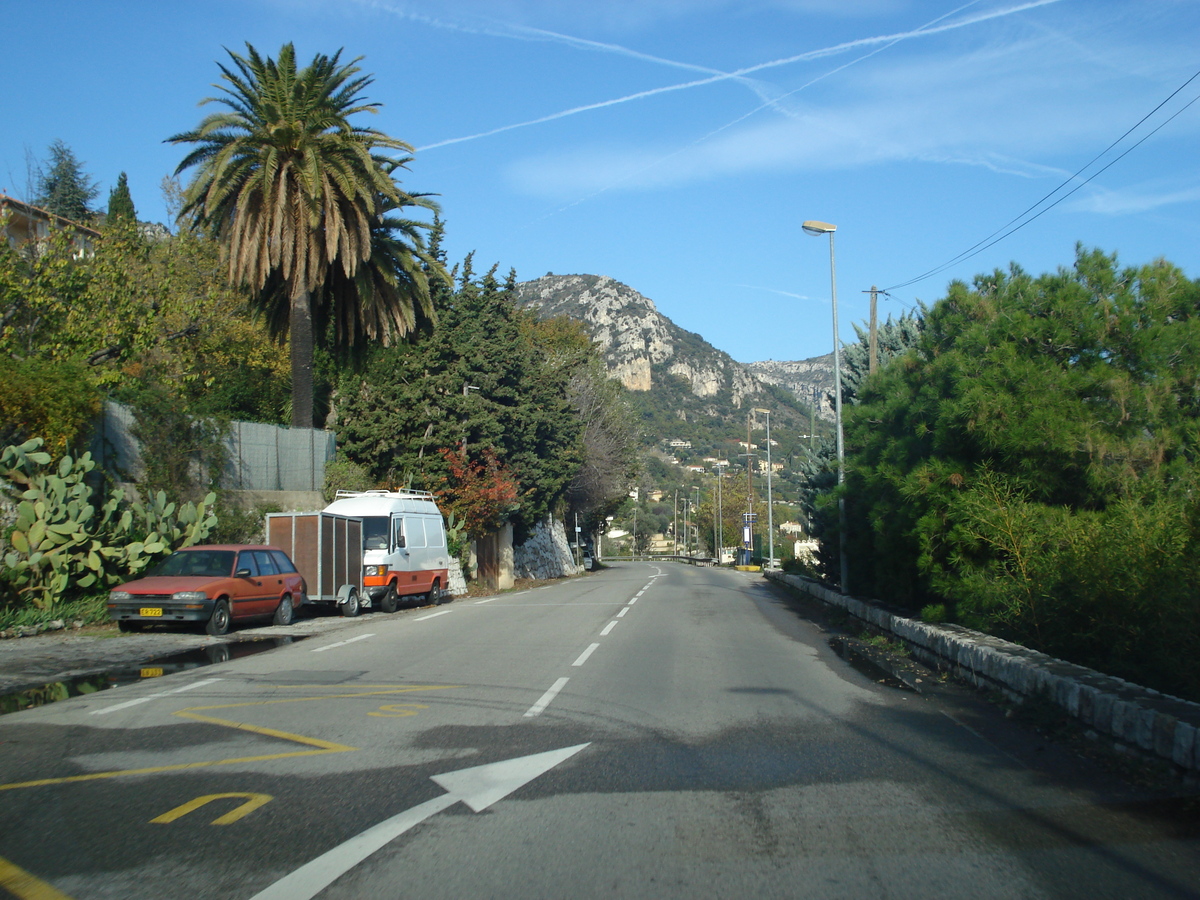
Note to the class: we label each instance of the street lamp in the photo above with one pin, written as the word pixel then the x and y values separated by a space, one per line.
pixel 818 228
pixel 770 505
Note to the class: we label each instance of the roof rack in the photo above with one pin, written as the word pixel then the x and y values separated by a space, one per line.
pixel 412 495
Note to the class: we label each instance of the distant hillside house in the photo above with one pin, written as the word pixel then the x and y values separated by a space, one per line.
pixel 23 223
pixel 680 445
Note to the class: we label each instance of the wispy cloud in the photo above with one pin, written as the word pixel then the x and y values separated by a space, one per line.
pixel 1131 200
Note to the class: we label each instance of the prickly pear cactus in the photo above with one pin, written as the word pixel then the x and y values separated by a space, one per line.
pixel 64 543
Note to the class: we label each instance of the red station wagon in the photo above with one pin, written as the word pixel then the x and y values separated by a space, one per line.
pixel 217 584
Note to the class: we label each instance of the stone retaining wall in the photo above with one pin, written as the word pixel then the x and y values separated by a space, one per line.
pixel 546 554
pixel 1138 717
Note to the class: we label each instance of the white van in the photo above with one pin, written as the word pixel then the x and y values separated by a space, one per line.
pixel 404 544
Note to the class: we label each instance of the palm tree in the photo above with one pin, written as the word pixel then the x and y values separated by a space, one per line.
pixel 298 197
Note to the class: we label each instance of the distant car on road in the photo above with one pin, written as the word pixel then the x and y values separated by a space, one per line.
pixel 217 584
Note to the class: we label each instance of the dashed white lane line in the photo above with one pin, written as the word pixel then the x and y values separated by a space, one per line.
pixel 609 627
pixel 624 609
pixel 147 699
pixel 631 602
pixel 546 698
pixel 443 612
pixel 361 637
pixel 583 657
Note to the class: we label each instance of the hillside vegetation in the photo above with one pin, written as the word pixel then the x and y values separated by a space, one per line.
pixel 1029 467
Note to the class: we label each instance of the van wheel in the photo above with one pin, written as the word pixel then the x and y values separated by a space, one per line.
pixel 221 619
pixel 391 600
pixel 285 613
pixel 351 607
pixel 434 597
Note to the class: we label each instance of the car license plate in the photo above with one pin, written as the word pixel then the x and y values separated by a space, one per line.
pixel 150 611
pixel 152 673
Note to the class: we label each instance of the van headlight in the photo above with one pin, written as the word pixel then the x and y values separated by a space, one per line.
pixel 374 570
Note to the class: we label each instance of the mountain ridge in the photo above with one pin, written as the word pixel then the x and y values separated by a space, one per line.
pixel 646 351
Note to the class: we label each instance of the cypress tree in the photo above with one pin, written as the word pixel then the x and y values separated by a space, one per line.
pixel 120 203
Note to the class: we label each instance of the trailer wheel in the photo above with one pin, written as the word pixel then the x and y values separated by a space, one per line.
pixel 350 606
pixel 391 600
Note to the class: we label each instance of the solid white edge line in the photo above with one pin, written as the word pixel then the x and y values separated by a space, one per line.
pixel 488 600
pixel 178 690
pixel 609 627
pixel 585 654
pixel 442 612
pixel 361 637
pixel 546 699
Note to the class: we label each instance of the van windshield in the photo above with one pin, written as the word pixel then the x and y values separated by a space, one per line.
pixel 375 532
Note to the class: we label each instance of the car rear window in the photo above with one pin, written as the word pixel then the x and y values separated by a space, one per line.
pixel 282 563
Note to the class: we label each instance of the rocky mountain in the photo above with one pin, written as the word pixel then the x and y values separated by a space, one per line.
pixel 808 379
pixel 649 353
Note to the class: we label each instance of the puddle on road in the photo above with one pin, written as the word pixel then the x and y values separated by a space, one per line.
pixel 154 668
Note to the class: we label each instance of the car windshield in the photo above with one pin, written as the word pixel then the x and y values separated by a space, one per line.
pixel 375 532
pixel 210 563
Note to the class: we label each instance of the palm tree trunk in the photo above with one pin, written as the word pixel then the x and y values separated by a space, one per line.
pixel 300 338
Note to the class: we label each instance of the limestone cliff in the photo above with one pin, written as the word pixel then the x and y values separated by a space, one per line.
pixel 637 340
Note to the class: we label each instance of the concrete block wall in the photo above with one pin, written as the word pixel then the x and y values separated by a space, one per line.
pixel 1138 717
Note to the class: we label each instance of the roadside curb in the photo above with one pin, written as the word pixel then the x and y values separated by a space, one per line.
pixel 1136 717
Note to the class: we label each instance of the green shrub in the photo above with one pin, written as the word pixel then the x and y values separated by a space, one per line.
pixel 934 613
pixel 53 400
pixel 342 474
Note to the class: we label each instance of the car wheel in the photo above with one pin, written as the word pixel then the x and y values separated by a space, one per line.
pixel 351 607
pixel 434 597
pixel 285 613
pixel 391 600
pixel 221 620
pixel 128 625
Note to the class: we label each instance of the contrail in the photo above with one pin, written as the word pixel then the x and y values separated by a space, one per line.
pixel 529 33
pixel 758 109
pixel 749 70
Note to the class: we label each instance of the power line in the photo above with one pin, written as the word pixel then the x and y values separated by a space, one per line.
pixel 996 236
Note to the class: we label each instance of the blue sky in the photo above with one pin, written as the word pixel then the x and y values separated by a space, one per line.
pixel 677 145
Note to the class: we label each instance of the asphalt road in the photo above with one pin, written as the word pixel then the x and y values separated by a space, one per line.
pixel 645 731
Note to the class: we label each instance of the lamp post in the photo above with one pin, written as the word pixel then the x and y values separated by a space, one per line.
pixel 717 523
pixel 770 505
pixel 818 228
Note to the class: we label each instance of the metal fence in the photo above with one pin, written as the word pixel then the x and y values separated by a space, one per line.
pixel 258 457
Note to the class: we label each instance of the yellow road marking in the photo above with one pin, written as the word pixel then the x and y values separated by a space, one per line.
pixel 193 712
pixel 398 710
pixel 253 802
pixel 24 886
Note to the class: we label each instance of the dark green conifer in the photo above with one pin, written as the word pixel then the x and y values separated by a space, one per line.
pixel 120 203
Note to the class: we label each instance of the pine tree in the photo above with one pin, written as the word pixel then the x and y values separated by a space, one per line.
pixel 65 189
pixel 120 203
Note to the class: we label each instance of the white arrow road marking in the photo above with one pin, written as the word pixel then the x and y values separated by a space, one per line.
pixel 361 637
pixel 148 698
pixel 478 788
